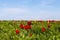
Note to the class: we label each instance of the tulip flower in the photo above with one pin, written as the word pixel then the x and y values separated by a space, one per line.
pixel 30 35
pixel 43 29
pixel 30 27
pixel 40 21
pixel 35 21
pixel 17 31
pixel 48 21
pixel 21 26
pixel 29 23
pixel 49 26
pixel 52 20
pixel 27 27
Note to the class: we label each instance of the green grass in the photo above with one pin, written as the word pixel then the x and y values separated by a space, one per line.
pixel 7 31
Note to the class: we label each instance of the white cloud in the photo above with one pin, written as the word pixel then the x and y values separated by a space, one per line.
pixel 13 13
pixel 14 10
pixel 25 14
pixel 47 3
pixel 52 15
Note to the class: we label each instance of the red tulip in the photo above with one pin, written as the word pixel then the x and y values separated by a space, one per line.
pixel 27 27
pixel 48 25
pixel 21 26
pixel 29 23
pixel 52 20
pixel 43 29
pixel 40 21
pixel 30 35
pixel 48 21
pixel 17 31
pixel 30 27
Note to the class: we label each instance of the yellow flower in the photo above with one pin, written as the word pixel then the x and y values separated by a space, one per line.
pixel 35 21
pixel 48 21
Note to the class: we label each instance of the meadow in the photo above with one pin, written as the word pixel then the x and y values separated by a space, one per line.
pixel 29 30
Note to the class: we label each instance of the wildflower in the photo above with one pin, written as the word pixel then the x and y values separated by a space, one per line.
pixel 48 25
pixel 21 26
pixel 30 27
pixel 29 23
pixel 30 34
pixel 27 27
pixel 52 20
pixel 35 21
pixel 17 31
pixel 43 29
pixel 40 21
pixel 48 21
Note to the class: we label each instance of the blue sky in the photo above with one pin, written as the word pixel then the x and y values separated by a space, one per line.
pixel 29 9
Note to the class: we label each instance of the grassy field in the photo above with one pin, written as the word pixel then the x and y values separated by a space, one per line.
pixel 29 30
